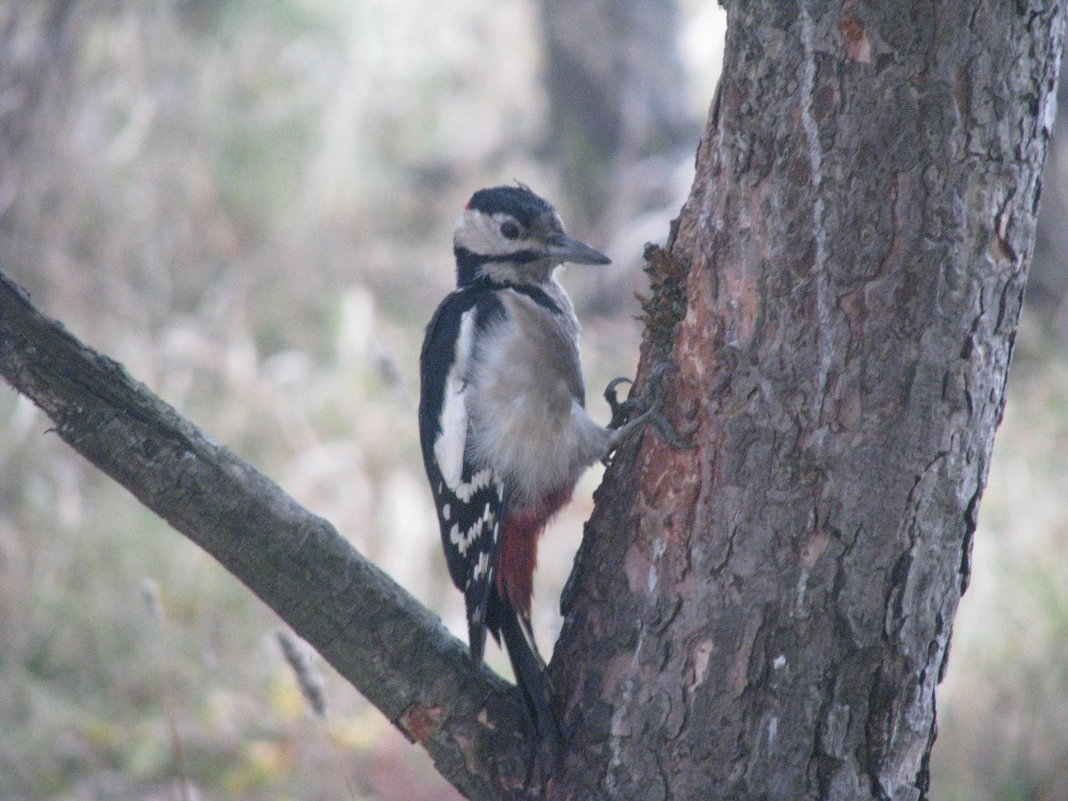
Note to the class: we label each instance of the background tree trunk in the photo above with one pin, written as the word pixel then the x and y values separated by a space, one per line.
pixel 621 127
pixel 1047 282
pixel 615 105
pixel 854 254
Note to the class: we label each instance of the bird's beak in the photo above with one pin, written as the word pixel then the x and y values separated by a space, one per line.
pixel 561 247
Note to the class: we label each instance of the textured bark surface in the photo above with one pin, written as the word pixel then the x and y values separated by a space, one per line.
pixel 854 255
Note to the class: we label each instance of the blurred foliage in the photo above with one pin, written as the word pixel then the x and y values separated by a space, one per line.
pixel 1003 731
pixel 250 205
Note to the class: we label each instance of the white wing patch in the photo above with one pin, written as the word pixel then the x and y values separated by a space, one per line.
pixel 465 490
pixel 481 567
pixel 452 438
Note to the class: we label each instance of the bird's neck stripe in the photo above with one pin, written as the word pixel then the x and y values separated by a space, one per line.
pixel 486 284
pixel 470 266
pixel 539 296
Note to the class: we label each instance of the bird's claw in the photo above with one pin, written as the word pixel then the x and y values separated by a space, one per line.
pixel 668 433
pixel 621 410
pixel 653 399
pixel 647 407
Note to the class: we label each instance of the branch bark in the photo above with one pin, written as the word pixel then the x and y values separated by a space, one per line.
pixel 373 632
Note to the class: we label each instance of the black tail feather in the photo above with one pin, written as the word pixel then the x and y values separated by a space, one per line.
pixel 476 627
pixel 530 675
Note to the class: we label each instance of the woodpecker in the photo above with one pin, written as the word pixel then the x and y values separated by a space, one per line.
pixel 502 421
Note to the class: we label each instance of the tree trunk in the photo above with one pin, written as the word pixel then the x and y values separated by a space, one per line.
pixel 854 255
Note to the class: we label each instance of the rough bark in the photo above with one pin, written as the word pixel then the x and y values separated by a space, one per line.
pixel 854 255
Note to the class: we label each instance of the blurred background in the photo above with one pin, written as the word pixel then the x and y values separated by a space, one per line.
pixel 250 205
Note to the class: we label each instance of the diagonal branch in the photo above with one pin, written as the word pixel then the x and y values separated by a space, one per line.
pixel 374 633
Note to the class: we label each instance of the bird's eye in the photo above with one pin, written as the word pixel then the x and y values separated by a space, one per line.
pixel 510 229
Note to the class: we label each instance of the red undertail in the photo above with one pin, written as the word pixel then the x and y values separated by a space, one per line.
pixel 519 548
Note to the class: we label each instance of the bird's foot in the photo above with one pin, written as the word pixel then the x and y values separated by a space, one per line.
pixel 621 410
pixel 648 408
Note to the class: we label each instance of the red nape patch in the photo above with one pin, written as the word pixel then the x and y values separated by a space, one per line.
pixel 519 548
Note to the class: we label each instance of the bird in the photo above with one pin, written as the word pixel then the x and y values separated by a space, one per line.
pixel 503 427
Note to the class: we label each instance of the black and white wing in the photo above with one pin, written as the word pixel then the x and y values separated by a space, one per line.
pixel 469 498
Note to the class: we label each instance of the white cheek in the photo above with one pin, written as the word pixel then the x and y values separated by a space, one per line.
pixel 481 233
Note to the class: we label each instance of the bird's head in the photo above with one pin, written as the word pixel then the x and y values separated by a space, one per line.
pixel 514 237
